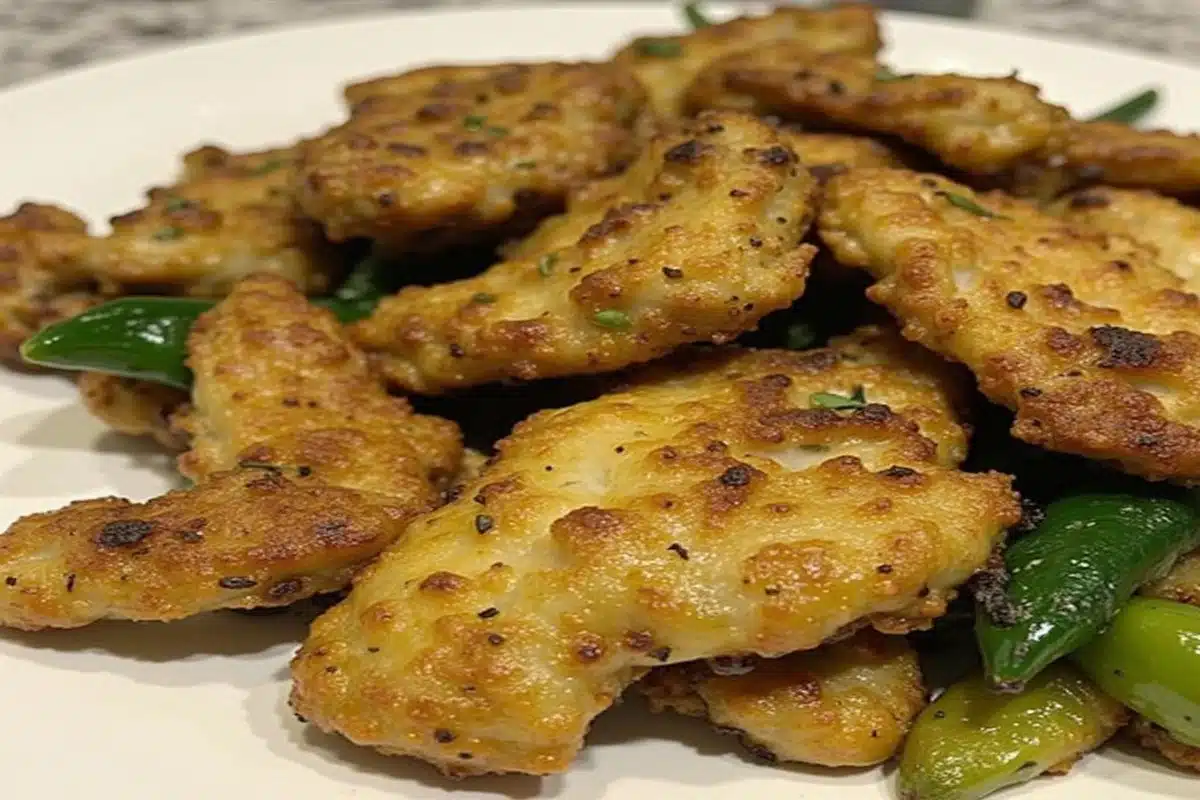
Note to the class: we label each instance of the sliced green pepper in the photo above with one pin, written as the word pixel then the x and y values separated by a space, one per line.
pixel 146 337
pixel 1149 659
pixel 1131 110
pixel 971 742
pixel 1072 575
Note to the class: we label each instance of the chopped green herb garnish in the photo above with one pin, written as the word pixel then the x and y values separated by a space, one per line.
pixel 838 402
pixel 525 164
pixel 483 298
pixel 497 130
pixel 474 122
pixel 885 75
pixel 659 48
pixel 268 167
pixel 967 204
pixel 1131 110
pixel 695 16
pixel 799 336
pixel 612 318
pixel 167 234
pixel 546 264
pixel 178 204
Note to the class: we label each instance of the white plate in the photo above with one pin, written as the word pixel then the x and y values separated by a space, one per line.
pixel 197 710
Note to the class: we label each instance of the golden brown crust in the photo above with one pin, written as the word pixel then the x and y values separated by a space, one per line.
pixel 1153 736
pixel 845 704
pixel 696 242
pixel 666 65
pixel 1181 584
pixel 442 155
pixel 1168 228
pixel 133 407
pixel 230 215
pixel 40 280
pixel 1115 154
pixel 706 510
pixel 278 382
pixel 241 539
pixel 828 154
pixel 1092 342
pixel 983 125
pixel 292 497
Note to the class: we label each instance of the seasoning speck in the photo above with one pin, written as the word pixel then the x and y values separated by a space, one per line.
pixel 484 523
pixel 474 122
pixel 838 402
pixel 167 234
pixel 659 48
pixel 546 264
pixel 237 582
pixel 124 532
pixel 483 298
pixel 612 318
pixel 488 613
pixel 679 550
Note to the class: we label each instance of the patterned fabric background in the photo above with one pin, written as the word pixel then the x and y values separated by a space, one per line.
pixel 39 36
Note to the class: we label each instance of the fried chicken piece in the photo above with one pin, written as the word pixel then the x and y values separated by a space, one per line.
pixel 1155 737
pixel 982 125
pixel 40 278
pixel 1181 584
pixel 306 469
pixel 1167 227
pixel 133 407
pixel 1115 154
pixel 827 154
pixel 229 216
pixel 710 509
pixel 278 383
pixel 845 704
pixel 446 155
pixel 666 65
pixel 1084 334
pixel 696 242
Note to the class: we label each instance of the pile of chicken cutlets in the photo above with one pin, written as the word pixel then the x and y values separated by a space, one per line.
pixel 702 507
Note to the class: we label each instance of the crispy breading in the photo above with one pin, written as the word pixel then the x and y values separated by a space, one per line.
pixel 1084 334
pixel 1181 584
pixel 827 154
pixel 982 125
pixel 1166 226
pixel 230 215
pixel 1155 737
pixel 666 65
pixel 306 469
pixel 696 242
pixel 1116 154
pixel 133 407
pixel 444 155
pixel 40 280
pixel 709 509
pixel 845 704
pixel 278 382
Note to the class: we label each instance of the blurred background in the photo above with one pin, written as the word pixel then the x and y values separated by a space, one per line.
pixel 41 36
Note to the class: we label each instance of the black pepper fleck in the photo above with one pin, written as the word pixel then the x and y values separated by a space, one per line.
pixel 495 639
pixel 1016 299
pixel 484 523
pixel 735 476
pixel 660 654
pixel 679 550
pixel 488 613
pixel 443 736
pixel 124 532
pixel 237 582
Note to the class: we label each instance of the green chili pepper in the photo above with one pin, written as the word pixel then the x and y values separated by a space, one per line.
pixel 1149 659
pixel 695 16
pixel 146 337
pixel 1131 110
pixel 971 742
pixel 1072 575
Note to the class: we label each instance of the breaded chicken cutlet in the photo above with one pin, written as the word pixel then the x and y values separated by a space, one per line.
pixel 447 155
pixel 1092 342
pixel 134 407
pixel 981 125
pixel 696 242
pixel 666 65
pixel 996 127
pixel 228 216
pixel 305 470
pixel 1166 226
pixel 845 704
pixel 40 278
pixel 716 507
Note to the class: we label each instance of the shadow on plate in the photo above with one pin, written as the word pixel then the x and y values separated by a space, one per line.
pixel 1144 769
pixel 222 647
pixel 612 735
